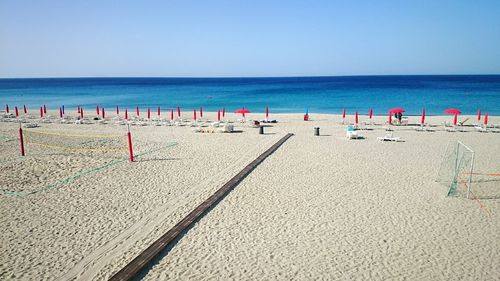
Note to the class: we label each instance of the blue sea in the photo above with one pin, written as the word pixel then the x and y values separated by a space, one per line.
pixel 467 93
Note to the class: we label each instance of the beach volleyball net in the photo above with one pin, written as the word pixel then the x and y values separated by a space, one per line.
pixel 56 157
pixel 67 142
pixel 456 169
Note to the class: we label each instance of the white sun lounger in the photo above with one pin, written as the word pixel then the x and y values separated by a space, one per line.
pixel 352 135
pixel 390 137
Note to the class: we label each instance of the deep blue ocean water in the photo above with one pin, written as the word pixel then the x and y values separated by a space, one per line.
pixel 295 94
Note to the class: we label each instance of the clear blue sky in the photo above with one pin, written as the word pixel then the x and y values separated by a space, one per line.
pixel 248 38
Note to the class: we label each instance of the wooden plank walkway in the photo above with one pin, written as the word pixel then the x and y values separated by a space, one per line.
pixel 138 264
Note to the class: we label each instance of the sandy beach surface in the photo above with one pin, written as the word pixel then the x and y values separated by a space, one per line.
pixel 319 208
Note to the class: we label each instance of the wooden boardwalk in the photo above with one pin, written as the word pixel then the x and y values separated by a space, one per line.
pixel 138 264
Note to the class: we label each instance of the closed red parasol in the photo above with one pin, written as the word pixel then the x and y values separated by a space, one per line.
pixel 17 111
pixel 343 113
pixel 179 111
pixel 149 113
pixel 172 114
pixel 117 110
pixel 267 113
pixel 159 111
pixel 356 118
pixel 194 114
pixel 24 108
pixel 97 110
pixel 126 113
pixel 371 113
pixel 486 118
pixel 201 112
pixel 218 115
pixel 422 119
pixel 103 113
pixel 479 115
pixel 137 110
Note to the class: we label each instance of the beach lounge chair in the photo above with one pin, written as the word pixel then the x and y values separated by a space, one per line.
pixel 31 125
pixel 352 133
pixel 481 129
pixel 390 137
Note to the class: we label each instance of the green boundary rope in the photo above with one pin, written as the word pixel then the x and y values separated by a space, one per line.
pixel 81 174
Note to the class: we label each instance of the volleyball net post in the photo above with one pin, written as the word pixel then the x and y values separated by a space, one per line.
pixel 129 138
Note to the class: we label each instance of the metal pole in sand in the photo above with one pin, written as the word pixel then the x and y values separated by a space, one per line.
pixel 130 144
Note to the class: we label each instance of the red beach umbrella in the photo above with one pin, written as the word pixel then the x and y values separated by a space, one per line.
pixel 223 112
pixel 41 112
pixel 103 113
pixel 117 110
pixel 356 118
pixel 343 113
pixel 44 109
pixel 201 112
pixel 218 115
pixel 479 115
pixel 486 118
pixel 171 115
pixel 179 111
pixel 194 114
pixel 267 113
pixel 24 108
pixel 422 119
pixel 149 113
pixel 137 110
pixel 17 111
pixel 159 111
pixel 390 118
pixel 371 113
pixel 396 110
pixel 452 111
pixel 455 113
pixel 81 113
pixel 7 108
pixel 242 111
pixel 126 113
pixel 78 109
pixel 97 110
pixel 60 113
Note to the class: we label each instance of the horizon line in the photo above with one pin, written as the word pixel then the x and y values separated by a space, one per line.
pixel 242 77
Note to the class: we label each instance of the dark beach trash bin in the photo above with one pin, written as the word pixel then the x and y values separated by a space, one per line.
pixel 261 130
pixel 316 131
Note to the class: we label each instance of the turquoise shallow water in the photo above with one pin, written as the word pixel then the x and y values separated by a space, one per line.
pixel 295 94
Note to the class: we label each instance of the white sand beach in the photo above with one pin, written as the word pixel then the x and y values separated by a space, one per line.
pixel 319 208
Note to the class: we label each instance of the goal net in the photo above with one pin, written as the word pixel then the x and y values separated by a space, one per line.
pixel 456 168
